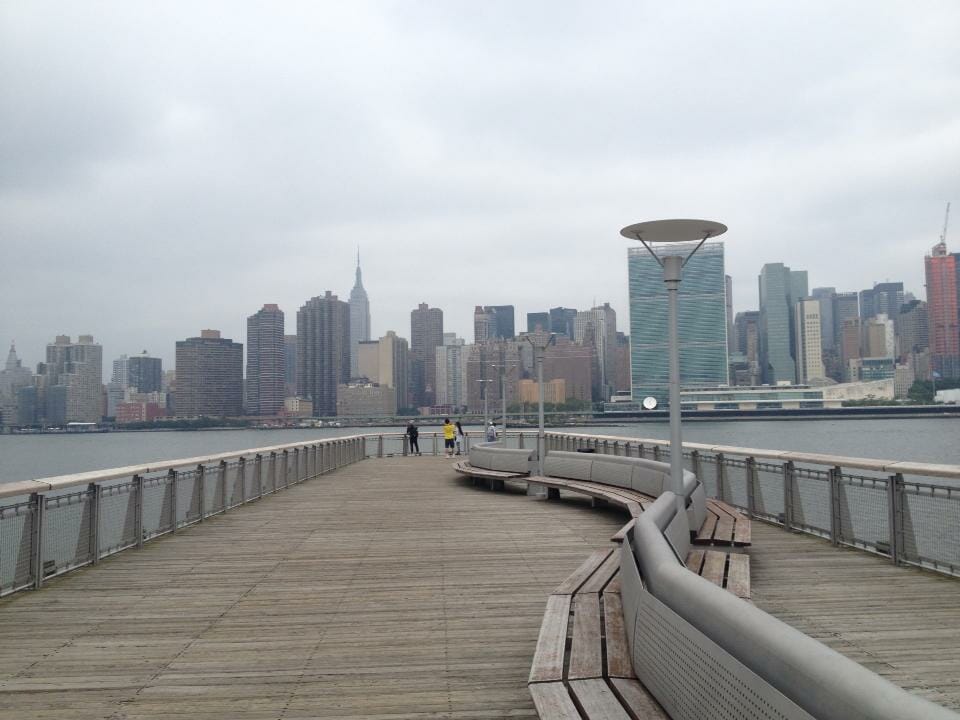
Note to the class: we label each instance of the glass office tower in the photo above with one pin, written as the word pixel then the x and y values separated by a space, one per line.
pixel 702 320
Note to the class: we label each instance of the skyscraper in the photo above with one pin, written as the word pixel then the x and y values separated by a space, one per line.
pixel 538 320
pixel 561 321
pixel 266 367
pixel 493 322
pixel 451 381
pixel 809 351
pixel 883 299
pixel 780 288
pixel 289 365
pixel 728 294
pixel 209 376
pixel 702 320
pixel 942 271
pixel 13 378
pixel 359 319
pixel 747 332
pixel 914 333
pixel 824 295
pixel 394 366
pixel 77 368
pixel 323 351
pixel 145 373
pixel 426 335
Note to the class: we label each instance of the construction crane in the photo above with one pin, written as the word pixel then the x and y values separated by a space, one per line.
pixel 946 221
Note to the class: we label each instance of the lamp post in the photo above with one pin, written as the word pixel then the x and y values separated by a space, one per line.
pixel 503 398
pixel 540 340
pixel 483 389
pixel 672 231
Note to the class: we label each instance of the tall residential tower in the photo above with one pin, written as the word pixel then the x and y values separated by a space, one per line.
pixel 359 319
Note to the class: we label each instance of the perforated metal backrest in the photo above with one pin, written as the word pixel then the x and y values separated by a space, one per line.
pixel 612 471
pixel 647 480
pixel 573 466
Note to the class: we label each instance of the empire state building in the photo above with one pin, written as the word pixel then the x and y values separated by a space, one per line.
pixel 359 319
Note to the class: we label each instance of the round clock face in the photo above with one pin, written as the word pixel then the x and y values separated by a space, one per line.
pixel 649 403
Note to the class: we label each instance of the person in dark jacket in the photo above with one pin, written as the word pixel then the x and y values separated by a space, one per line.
pixel 461 437
pixel 413 433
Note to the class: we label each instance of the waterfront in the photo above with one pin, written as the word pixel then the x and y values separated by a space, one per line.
pixel 25 457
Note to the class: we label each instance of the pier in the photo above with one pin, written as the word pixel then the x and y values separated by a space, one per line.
pixel 391 587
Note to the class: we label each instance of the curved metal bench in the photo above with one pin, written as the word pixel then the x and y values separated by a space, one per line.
pixel 494 463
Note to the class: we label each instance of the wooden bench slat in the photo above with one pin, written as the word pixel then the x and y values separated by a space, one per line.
pixel 613 586
pixel 742 532
pixel 618 650
pixel 597 700
pixel 695 560
pixel 586 654
pixel 724 530
pixel 640 702
pixel 603 574
pixel 709 525
pixel 622 532
pixel 714 562
pixel 738 575
pixel 552 642
pixel 466 468
pixel 580 575
pixel 553 701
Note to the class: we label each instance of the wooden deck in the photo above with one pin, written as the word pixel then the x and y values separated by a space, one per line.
pixel 395 589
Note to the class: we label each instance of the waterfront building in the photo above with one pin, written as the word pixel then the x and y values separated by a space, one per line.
pixel 914 334
pixel 746 327
pixel 266 364
pixel 538 321
pixel 903 379
pixel 145 373
pixel 13 378
pixel 393 365
pixel 28 406
pixel 942 270
pixel 850 343
pixel 845 306
pixel 451 378
pixel 289 365
pixel 297 407
pixel 368 360
pixel 554 391
pixel 120 376
pixel 599 327
pixel 359 319
pixel 620 381
pixel 493 322
pixel 426 335
pixel 485 362
pixel 882 299
pixel 562 320
pixel 807 322
pixel 575 364
pixel 728 290
pixel 77 368
pixel 209 376
pixel 323 351
pixel 878 337
pixel 867 369
pixel 780 288
pixel 702 320
pixel 366 400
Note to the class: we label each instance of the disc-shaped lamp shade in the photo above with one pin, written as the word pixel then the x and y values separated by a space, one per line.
pixel 669 231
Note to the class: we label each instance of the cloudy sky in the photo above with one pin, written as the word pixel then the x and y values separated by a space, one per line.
pixel 167 167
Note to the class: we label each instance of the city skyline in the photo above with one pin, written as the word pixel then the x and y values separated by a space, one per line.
pixel 460 157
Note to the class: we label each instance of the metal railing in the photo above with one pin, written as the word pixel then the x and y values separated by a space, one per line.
pixel 55 525
pixel 892 508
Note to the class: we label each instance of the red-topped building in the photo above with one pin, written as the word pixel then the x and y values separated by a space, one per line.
pixel 943 309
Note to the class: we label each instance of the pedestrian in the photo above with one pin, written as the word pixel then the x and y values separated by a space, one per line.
pixel 413 434
pixel 491 432
pixel 449 435
pixel 461 437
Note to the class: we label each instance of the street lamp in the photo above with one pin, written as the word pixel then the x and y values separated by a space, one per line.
pixel 672 231
pixel 503 398
pixel 539 340
pixel 483 389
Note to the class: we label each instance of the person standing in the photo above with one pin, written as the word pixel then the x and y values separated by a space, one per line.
pixel 413 433
pixel 491 432
pixel 449 435
pixel 461 437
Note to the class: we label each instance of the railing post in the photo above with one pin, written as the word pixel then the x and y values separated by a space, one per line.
pixel 36 538
pixel 138 509
pixel 379 446
pixel 285 467
pixel 272 471
pixel 435 442
pixel 695 464
pixel 223 484
pixel 202 484
pixel 242 478
pixel 520 441
pixel 656 453
pixel 750 470
pixel 406 443
pixel 788 480
pixel 895 506
pixel 258 474
pixel 94 522
pixel 835 505
pixel 172 476
pixel 721 477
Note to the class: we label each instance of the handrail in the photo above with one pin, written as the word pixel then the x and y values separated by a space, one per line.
pixel 888 466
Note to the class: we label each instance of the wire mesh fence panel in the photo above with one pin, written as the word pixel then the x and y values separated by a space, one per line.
pixel 864 512
pixel 688 462
pixel 118 518
pixel 291 477
pixel 67 524
pixel 250 477
pixel 811 501
pixel 157 506
pixel 16 536
pixel 233 486
pixel 708 474
pixel 188 497
pixel 213 489
pixel 736 476
pixel 768 491
pixel 931 526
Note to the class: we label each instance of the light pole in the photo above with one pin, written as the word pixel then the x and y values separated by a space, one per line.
pixel 539 340
pixel 672 231
pixel 483 389
pixel 503 398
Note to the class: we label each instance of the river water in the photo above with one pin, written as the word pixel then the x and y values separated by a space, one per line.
pixel 933 440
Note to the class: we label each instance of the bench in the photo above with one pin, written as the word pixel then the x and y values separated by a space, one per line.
pixel 581 667
pixel 494 463
pixel 494 478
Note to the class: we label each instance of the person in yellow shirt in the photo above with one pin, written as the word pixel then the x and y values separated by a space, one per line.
pixel 449 436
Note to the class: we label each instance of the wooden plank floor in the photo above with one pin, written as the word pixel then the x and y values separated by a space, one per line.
pixel 900 622
pixel 389 589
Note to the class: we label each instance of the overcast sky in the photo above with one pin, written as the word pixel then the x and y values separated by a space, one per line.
pixel 167 167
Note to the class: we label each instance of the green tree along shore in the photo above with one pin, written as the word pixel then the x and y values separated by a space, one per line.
pixel 920 393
